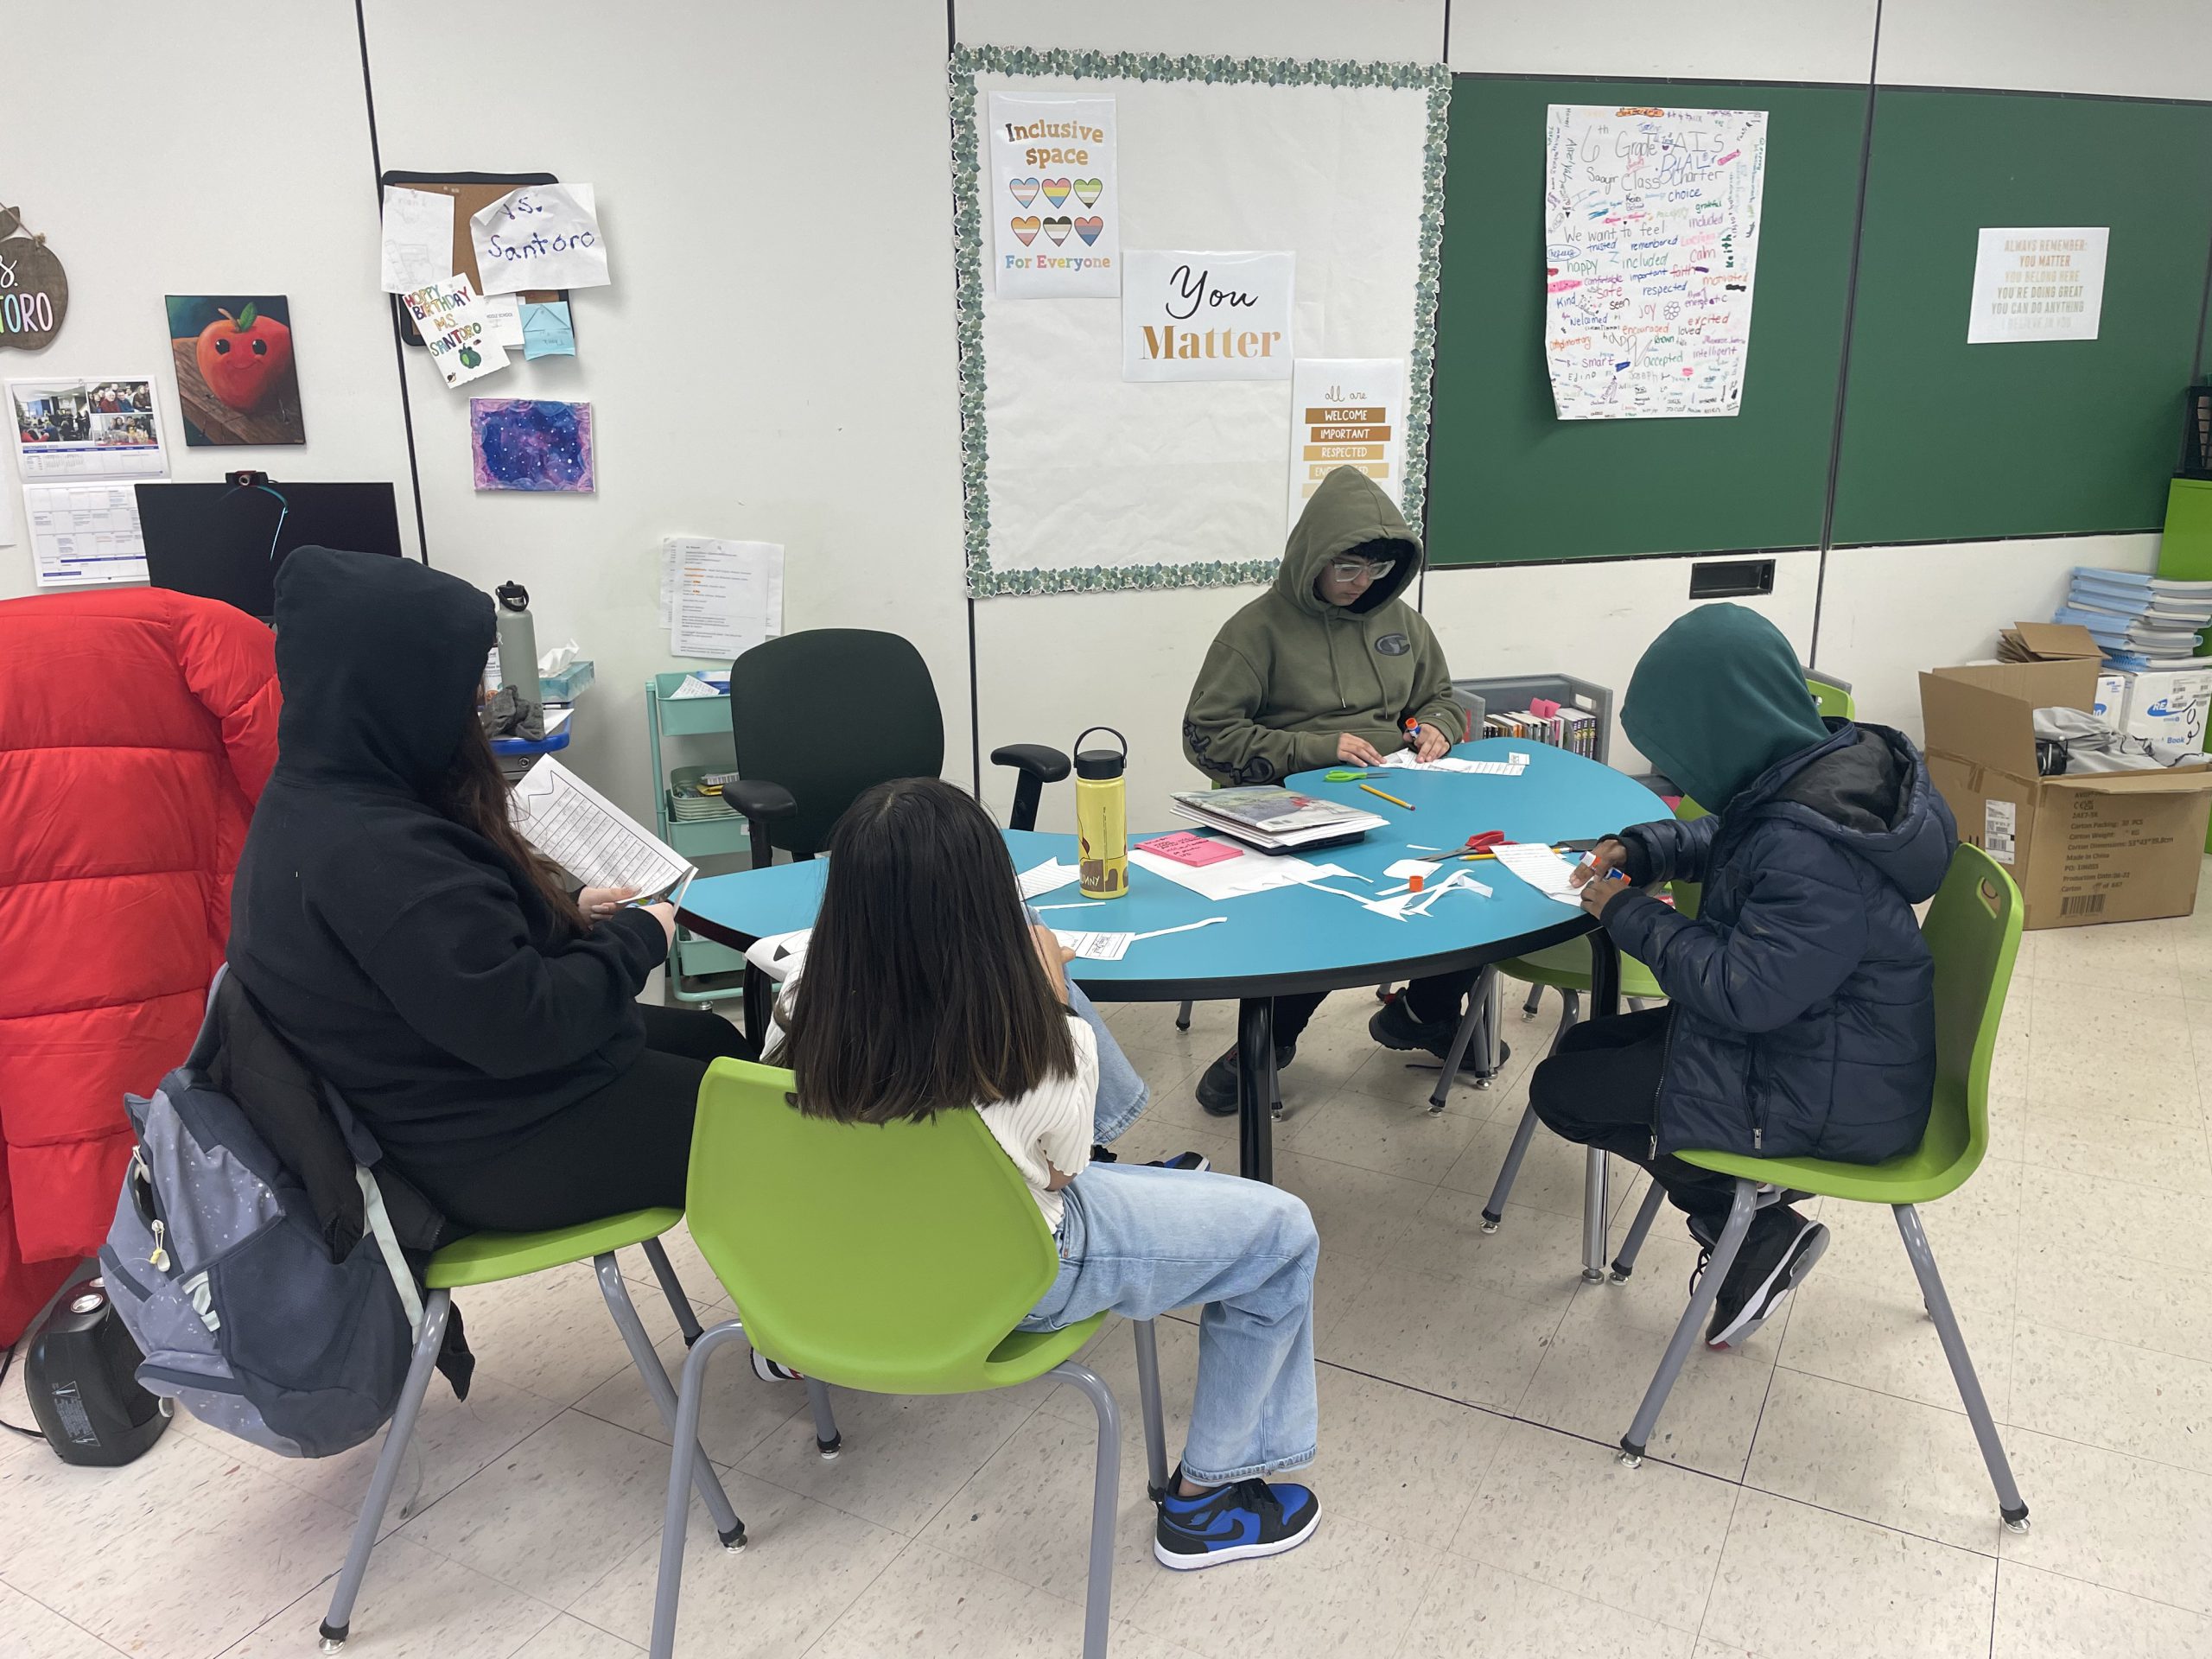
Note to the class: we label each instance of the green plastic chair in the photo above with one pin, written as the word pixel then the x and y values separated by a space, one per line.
pixel 490 1259
pixel 1973 931
pixel 896 1258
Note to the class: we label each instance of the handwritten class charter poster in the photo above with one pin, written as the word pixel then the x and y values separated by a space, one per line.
pixel 1651 240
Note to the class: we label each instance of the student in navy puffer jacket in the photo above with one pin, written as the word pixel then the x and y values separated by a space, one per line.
pixel 1801 1017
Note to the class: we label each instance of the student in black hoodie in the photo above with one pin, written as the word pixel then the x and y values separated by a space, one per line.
pixel 394 927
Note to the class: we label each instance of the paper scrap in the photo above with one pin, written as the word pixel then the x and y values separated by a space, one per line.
pixel 418 238
pixel 547 329
pixel 540 235
pixel 1404 759
pixel 451 318
pixel 1049 877
pixel 693 686
pixel 83 535
pixel 589 836
pixel 1229 878
pixel 724 597
pixel 503 322
pixel 1543 869
pixel 1187 927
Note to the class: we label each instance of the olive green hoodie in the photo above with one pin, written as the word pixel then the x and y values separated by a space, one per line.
pixel 1717 699
pixel 1290 671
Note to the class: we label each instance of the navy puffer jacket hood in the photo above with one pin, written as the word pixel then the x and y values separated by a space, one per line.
pixel 1803 993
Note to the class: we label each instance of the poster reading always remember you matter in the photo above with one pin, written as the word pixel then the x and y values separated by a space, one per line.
pixel 1651 233
pixel 1056 222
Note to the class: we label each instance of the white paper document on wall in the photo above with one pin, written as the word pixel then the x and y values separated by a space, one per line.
pixel 589 836
pixel 540 235
pixel 2032 283
pixel 1651 237
pixel 1347 412
pixel 83 535
pixel 417 238
pixel 724 597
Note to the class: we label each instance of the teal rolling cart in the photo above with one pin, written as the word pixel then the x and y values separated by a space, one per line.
pixel 700 725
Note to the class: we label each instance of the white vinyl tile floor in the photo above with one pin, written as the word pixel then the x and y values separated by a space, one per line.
pixel 1817 1493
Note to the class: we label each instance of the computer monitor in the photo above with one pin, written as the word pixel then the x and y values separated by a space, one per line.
pixel 225 541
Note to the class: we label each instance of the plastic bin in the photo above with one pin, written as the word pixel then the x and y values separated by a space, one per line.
pixel 1503 693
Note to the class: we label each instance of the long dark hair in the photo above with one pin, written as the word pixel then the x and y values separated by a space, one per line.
pixel 922 990
pixel 474 794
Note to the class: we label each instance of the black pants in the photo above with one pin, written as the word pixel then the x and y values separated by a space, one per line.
pixel 626 1145
pixel 1438 998
pixel 1599 1089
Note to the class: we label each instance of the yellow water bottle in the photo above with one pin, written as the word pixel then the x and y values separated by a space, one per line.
pixel 1102 822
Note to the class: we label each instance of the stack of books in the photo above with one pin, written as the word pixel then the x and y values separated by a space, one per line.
pixel 2140 622
pixel 1545 722
pixel 1275 820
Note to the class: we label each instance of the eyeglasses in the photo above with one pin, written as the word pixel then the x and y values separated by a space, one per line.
pixel 1353 570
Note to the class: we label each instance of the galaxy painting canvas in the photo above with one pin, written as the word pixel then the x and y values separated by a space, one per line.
pixel 529 443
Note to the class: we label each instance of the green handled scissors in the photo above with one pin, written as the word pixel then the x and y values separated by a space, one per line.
pixel 1341 776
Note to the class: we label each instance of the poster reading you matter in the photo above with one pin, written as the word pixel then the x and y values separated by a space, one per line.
pixel 2037 284
pixel 1206 316
pixel 1056 222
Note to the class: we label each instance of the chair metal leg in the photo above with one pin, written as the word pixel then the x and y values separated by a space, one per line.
pixel 1597 1173
pixel 672 1287
pixel 1632 1246
pixel 1156 1433
pixel 1462 1038
pixel 1494 1211
pixel 1535 999
pixel 1638 1004
pixel 616 1293
pixel 2010 1504
pixel 827 1440
pixel 1183 1017
pixel 1105 1500
pixel 396 1438
pixel 676 1509
pixel 1700 1310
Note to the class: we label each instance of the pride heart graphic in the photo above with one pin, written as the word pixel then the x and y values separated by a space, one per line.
pixel 1088 229
pixel 1025 190
pixel 1058 229
pixel 1056 191
pixel 1087 190
pixel 1026 228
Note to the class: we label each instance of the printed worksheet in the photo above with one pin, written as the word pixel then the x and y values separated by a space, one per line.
pixel 1541 868
pixel 589 836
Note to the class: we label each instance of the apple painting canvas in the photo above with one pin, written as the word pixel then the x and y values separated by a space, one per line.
pixel 235 376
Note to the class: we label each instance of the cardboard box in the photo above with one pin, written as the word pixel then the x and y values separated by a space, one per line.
pixel 2103 846
pixel 2166 707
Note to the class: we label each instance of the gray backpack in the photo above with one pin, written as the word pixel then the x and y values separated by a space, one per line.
pixel 269 1292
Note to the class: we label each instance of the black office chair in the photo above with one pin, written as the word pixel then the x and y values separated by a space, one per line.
pixel 821 715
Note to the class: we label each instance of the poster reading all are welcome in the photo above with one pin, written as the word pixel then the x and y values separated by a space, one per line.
pixel 1056 224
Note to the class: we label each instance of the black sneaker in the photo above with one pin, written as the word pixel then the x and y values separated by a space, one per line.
pixel 1777 1253
pixel 1218 1088
pixel 773 1370
pixel 1393 1025
pixel 1236 1522
pixel 1197 1162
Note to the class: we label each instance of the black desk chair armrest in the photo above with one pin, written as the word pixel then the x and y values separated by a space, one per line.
pixel 761 803
pixel 1038 766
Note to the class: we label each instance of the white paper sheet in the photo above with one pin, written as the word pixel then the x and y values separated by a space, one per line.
pixel 98 426
pixel 1189 315
pixel 451 317
pixel 1095 947
pixel 1651 235
pixel 1404 759
pixel 417 238
pixel 1541 868
pixel 503 322
pixel 1049 877
pixel 1056 222
pixel 1346 411
pixel 83 535
pixel 589 836
pixel 2032 283
pixel 540 235
pixel 1232 878
pixel 724 597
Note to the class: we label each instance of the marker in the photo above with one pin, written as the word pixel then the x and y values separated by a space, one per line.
pixel 1413 732
pixel 1393 799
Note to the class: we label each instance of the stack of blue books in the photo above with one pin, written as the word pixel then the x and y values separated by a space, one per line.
pixel 2140 622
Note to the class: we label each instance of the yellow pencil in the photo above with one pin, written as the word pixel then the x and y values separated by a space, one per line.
pixel 1393 799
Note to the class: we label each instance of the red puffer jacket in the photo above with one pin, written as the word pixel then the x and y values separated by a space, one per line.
pixel 136 728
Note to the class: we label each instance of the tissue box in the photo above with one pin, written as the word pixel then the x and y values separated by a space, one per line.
pixel 565 686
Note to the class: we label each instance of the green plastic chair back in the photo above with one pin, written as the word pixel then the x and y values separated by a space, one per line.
pixel 1835 702
pixel 893 1258
pixel 1566 967
pixel 1973 932
pixel 490 1258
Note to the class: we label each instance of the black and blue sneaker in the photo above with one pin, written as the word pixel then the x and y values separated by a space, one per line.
pixel 1236 1522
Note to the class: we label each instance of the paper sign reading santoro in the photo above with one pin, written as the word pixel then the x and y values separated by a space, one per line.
pixel 1206 316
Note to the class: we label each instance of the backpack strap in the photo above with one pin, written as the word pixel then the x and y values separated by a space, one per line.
pixel 403 1276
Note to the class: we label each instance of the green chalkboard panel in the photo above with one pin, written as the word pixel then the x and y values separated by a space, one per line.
pixel 1507 480
pixel 1943 440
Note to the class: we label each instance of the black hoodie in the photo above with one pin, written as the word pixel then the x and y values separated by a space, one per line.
pixel 404 957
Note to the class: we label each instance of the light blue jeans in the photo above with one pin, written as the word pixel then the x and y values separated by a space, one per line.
pixel 1121 1093
pixel 1140 1241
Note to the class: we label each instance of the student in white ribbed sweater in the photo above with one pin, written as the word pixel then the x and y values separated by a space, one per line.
pixel 925 989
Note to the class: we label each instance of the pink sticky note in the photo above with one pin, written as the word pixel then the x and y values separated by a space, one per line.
pixel 1184 848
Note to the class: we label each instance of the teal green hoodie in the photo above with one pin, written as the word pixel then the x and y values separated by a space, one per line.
pixel 1717 699
pixel 1290 671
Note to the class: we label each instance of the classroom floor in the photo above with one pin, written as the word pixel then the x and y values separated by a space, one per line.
pixel 1816 1494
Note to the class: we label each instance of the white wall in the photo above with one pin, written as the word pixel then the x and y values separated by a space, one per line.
pixel 1772 40
pixel 202 194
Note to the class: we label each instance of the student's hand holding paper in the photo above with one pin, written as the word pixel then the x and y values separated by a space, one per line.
pixel 1609 855
pixel 599 903
pixel 1358 750
pixel 1431 743
pixel 1600 890
pixel 1054 954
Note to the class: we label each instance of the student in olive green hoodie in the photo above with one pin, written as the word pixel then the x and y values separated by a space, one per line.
pixel 1325 667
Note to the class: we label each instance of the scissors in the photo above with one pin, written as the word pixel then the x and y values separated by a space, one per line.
pixel 1341 776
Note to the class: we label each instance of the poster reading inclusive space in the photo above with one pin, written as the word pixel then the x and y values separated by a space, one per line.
pixel 1056 223
pixel 1651 230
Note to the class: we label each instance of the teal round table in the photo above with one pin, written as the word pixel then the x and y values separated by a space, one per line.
pixel 1295 938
